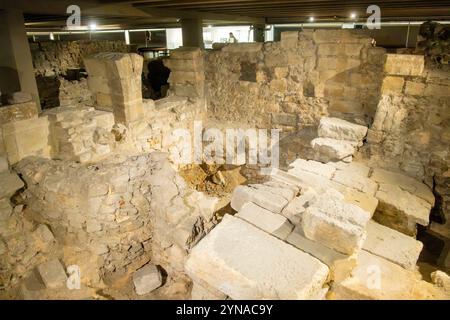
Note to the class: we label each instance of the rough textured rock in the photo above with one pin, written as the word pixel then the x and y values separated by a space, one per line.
pixel 244 262
pixel 52 273
pixel 316 167
pixel 275 224
pixel 264 198
pixel 375 278
pixel 335 224
pixel 339 129
pixel 328 149
pixel 147 279
pixel 392 245
pixel 10 184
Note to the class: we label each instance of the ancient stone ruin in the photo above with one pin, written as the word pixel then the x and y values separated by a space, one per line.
pixel 98 202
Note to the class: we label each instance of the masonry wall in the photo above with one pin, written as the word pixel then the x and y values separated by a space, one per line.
pixel 292 83
pixel 411 130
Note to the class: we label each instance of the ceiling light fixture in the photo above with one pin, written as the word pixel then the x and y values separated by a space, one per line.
pixel 312 19
pixel 92 26
pixel 353 15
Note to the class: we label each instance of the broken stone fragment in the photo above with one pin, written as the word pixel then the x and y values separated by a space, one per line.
pixel 355 181
pixel 18 97
pixel 392 245
pixel 442 280
pixel 339 129
pixel 270 222
pixel 44 234
pixel 52 273
pixel 375 278
pixel 295 209
pixel 316 167
pixel 147 279
pixel 202 292
pixel 244 262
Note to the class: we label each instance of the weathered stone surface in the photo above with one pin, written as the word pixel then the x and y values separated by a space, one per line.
pixel 375 278
pixel 244 262
pixel 4 166
pixel 316 167
pixel 442 280
pixel 17 112
pixel 363 200
pixel 282 176
pixel 5 209
pixel 10 183
pixel 354 167
pixel 275 224
pixel 263 198
pixel 328 149
pixel 147 279
pixel 335 128
pixel 202 292
pixel 355 181
pixel 340 264
pixel 52 273
pixel 393 85
pixel 335 223
pixel 392 245
pixel 404 64
pixel 400 210
pixel 406 183
pixel 295 209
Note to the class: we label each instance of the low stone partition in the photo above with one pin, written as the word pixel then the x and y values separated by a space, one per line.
pixel 115 80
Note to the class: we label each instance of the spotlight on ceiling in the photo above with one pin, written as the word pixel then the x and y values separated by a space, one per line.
pixel 312 19
pixel 52 37
pixel 209 26
pixel 353 15
pixel 92 26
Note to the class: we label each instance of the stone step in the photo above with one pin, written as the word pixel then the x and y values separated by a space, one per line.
pixel 392 245
pixel 340 264
pixel 325 170
pixel 244 262
pixel 376 278
pixel 328 149
pixel 263 198
pixel 339 129
pixel 335 223
pixel 275 224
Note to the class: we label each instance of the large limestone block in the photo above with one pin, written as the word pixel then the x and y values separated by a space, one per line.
pixel 245 262
pixel 282 176
pixel 325 170
pixel 406 183
pixel 335 223
pixel 114 65
pixel 147 279
pixel 366 202
pixel 340 264
pixel 400 210
pixel 327 149
pixel 314 181
pixel 185 53
pixel 339 129
pixel 26 138
pixel 392 245
pixel 9 184
pixel 275 224
pixel 205 292
pixel 52 273
pixel 375 278
pixel 355 181
pixel 404 64
pixel 263 198
pixel 22 111
pixel 251 47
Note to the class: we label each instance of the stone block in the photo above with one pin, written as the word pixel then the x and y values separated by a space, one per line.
pixel 409 184
pixel 254 266
pixel 275 224
pixel 263 198
pixel 17 97
pixel 27 138
pixel 340 265
pixel 393 85
pixel 327 149
pixel 414 88
pixel 355 181
pixel 392 245
pixel 282 176
pixel 375 278
pixel 400 210
pixel 251 47
pixel 202 292
pixel 52 274
pixel 325 170
pixel 366 202
pixel 4 165
pixel 147 279
pixel 17 112
pixel 336 224
pixel 404 64
pixel 10 183
pixel 335 128
pixel 186 53
pixel 289 39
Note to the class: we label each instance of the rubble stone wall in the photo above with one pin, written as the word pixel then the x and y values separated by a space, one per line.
pixel 54 58
pixel 292 83
pixel 411 130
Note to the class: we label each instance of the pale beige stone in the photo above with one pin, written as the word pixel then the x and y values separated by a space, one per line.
pixel 316 167
pixel 244 262
pixel 335 128
pixel 393 85
pixel 404 64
